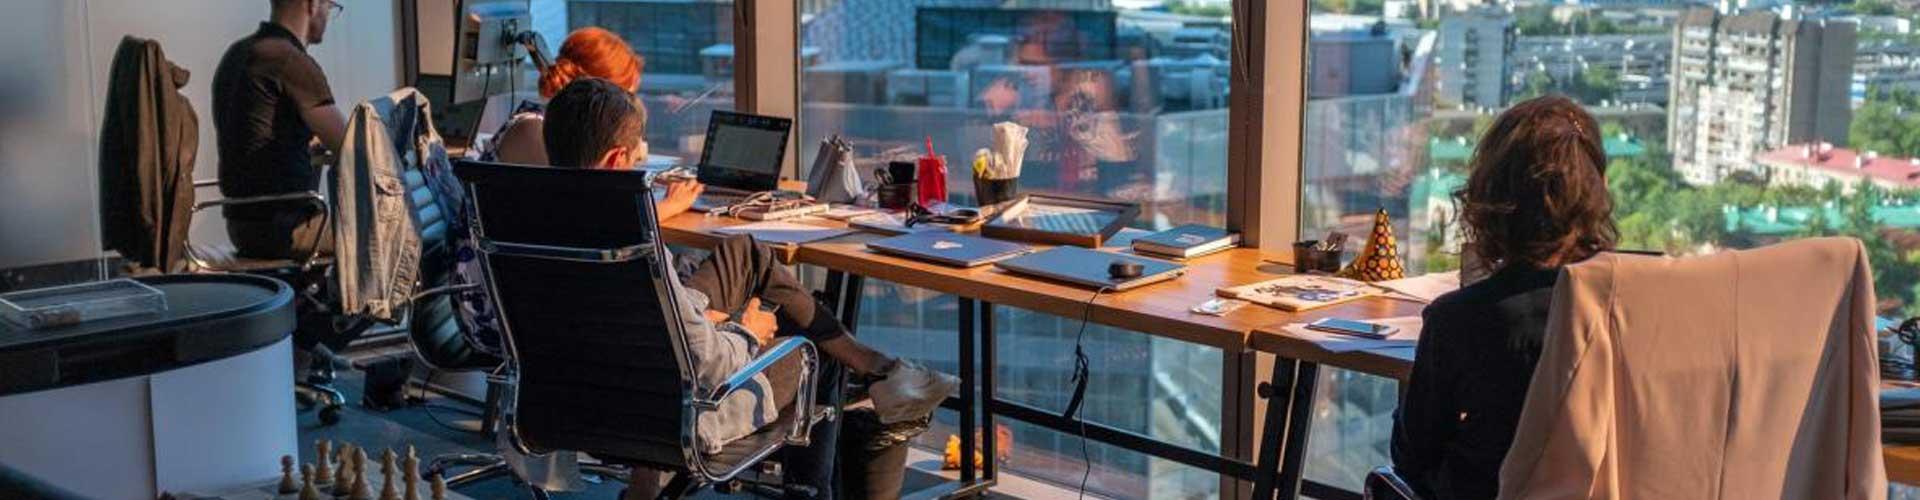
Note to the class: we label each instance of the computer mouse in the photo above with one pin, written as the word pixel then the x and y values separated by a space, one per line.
pixel 1124 269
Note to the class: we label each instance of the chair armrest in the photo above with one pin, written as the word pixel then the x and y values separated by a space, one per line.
pixel 1385 484
pixel 803 406
pixel 775 352
pixel 311 197
pixel 444 290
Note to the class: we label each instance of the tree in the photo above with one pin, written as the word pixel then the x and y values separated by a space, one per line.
pixel 1887 123
pixel 1597 84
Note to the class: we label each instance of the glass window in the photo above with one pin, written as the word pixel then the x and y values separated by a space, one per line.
pixel 1717 138
pixel 1121 103
pixel 688 46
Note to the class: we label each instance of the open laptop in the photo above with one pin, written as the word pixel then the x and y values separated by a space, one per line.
pixel 1088 268
pixel 957 250
pixel 742 155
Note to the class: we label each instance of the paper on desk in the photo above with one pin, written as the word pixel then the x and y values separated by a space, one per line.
pixel 1408 336
pixel 1424 288
pixel 775 231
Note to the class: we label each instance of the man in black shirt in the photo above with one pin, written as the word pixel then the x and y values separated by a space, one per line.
pixel 270 101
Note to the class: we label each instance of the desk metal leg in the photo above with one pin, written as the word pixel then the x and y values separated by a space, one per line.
pixel 1289 422
pixel 989 434
pixel 969 402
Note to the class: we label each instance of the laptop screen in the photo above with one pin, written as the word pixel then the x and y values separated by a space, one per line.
pixel 743 151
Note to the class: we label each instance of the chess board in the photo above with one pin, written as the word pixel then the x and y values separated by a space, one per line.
pixel 269 489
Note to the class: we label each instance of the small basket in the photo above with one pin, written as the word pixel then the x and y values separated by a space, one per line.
pixel 1306 259
pixel 994 191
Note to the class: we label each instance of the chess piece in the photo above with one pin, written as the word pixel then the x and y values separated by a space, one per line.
pixel 343 481
pixel 439 487
pixel 323 449
pixel 361 490
pixel 343 471
pixel 387 470
pixel 307 490
pixel 410 468
pixel 287 484
pixel 1380 259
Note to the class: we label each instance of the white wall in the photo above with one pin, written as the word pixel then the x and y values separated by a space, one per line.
pixel 57 55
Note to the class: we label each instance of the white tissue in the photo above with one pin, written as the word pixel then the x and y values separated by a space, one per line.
pixel 1009 150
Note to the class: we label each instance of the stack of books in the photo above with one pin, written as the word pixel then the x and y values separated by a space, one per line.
pixel 1186 242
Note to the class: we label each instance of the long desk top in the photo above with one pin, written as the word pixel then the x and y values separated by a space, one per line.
pixel 1161 309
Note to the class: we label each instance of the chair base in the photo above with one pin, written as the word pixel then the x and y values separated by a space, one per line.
pixel 330 402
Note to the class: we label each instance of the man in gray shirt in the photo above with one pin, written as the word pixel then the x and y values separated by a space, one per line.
pixel 593 123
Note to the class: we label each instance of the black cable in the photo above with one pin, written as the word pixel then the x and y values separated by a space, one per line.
pixel 427 408
pixel 1082 371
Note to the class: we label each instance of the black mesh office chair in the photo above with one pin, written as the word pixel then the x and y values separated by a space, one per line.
pixel 594 332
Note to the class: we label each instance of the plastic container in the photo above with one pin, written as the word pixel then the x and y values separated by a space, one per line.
pixel 74 304
pixel 933 180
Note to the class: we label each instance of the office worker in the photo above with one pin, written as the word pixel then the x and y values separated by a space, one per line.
pixel 270 101
pixel 1535 201
pixel 594 123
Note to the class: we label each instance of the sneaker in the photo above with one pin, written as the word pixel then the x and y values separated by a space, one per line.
pixel 910 391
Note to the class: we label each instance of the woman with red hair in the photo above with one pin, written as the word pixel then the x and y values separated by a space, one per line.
pixel 593 52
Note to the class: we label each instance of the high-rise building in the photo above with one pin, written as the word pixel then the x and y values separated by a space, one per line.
pixel 1472 57
pixel 1753 82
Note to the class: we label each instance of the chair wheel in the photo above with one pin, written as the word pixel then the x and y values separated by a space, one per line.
pixel 330 414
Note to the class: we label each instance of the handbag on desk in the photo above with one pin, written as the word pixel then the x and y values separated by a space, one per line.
pixel 833 178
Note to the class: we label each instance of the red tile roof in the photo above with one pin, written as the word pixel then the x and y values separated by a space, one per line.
pixel 1903 171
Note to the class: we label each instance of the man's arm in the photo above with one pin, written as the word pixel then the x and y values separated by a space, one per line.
pixel 327 124
pixel 307 86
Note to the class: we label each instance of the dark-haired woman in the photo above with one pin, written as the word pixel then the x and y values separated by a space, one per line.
pixel 1535 201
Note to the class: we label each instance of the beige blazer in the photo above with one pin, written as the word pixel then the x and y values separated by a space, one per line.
pixel 1740 375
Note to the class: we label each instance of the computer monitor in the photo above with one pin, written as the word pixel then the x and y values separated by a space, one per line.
pixel 744 152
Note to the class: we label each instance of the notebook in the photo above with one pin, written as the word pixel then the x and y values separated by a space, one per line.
pixel 950 249
pixel 1088 268
pixel 1186 242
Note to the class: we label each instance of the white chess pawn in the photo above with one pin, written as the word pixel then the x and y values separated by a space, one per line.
pixel 439 487
pixel 307 490
pixel 387 471
pixel 287 485
pixel 411 470
pixel 361 490
pixel 323 450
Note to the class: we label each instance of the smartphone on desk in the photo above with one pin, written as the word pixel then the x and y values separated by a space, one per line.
pixel 1354 328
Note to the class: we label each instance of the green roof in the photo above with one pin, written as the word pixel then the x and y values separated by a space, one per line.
pixel 1790 220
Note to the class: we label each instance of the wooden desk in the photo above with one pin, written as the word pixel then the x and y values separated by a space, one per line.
pixel 1161 309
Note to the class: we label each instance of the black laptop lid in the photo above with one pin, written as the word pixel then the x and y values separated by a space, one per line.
pixel 744 152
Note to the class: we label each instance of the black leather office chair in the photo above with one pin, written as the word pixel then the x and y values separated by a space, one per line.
pixel 594 331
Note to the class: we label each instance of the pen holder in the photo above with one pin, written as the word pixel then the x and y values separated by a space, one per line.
pixel 1307 259
pixel 993 191
pixel 896 196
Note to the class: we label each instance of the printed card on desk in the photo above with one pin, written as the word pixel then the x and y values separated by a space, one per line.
pixel 1301 292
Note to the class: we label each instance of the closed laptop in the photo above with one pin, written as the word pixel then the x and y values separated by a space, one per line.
pixel 1088 268
pixel 956 250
